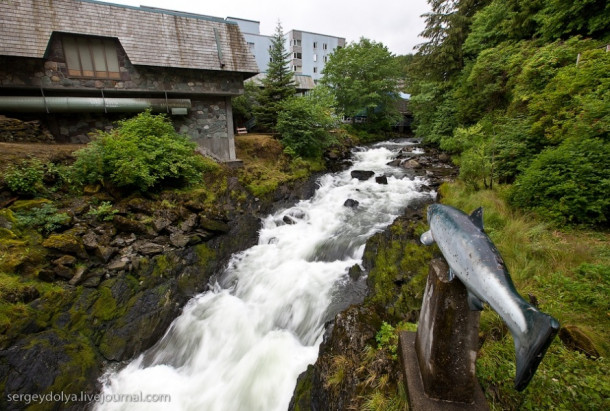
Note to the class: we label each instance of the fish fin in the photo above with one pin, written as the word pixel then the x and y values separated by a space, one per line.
pixel 531 347
pixel 474 302
pixel 477 218
pixel 427 238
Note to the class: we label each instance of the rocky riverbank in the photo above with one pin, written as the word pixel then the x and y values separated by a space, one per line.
pixel 105 282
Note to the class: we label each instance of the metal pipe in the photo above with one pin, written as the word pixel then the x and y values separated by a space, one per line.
pixel 89 104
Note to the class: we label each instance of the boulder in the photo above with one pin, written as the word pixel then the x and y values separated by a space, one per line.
pixel 161 223
pixel 289 220
pixel 414 164
pixel 179 239
pixel 105 253
pixel 64 272
pixel 381 180
pixel 576 339
pixel 351 203
pixel 67 260
pixel 149 248
pixel 362 175
pixel 66 243
pixel 214 226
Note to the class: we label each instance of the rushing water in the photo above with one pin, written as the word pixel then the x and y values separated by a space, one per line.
pixel 242 345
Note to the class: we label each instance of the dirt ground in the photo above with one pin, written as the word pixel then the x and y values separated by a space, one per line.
pixel 11 153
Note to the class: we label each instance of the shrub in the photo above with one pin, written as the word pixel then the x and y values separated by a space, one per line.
pixel 569 183
pixel 143 153
pixel 304 124
pixel 25 177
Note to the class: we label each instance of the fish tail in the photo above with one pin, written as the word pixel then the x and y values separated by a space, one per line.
pixel 531 346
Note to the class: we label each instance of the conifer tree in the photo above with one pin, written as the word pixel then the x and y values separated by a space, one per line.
pixel 278 83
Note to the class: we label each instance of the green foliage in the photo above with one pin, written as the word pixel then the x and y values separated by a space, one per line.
pixel 364 79
pixel 143 153
pixel 103 212
pixel 569 183
pixel 244 105
pixel 278 84
pixel 25 177
pixel 45 219
pixel 563 18
pixel 304 124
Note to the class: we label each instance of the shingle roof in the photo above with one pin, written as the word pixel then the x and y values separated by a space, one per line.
pixel 151 37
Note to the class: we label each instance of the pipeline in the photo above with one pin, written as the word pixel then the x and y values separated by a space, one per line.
pixel 92 104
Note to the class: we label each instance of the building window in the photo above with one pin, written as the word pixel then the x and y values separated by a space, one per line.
pixel 315 45
pixel 315 70
pixel 251 46
pixel 315 57
pixel 297 55
pixel 297 69
pixel 325 46
pixel 296 42
pixel 91 57
pixel 325 59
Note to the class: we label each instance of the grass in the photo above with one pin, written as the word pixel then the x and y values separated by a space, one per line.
pixel 567 270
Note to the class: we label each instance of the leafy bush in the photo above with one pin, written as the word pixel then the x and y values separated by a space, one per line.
pixel 25 177
pixel 304 124
pixel 103 212
pixel 44 219
pixel 568 183
pixel 144 152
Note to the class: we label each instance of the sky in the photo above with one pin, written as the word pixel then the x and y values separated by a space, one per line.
pixel 395 23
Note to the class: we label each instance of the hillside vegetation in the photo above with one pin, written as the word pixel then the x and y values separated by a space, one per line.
pixel 520 92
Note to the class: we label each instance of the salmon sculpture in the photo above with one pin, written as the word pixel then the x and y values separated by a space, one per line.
pixel 474 259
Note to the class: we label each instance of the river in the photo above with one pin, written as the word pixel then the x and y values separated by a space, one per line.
pixel 242 345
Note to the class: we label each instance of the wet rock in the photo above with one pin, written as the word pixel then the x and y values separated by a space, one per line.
pixel 381 180
pixel 394 163
pixel 351 203
pixel 289 220
pixel 355 272
pixel 128 225
pixel 413 164
pixel 444 157
pixel 362 175
pixel 178 239
pixel 67 260
pixel 66 243
pixel 576 339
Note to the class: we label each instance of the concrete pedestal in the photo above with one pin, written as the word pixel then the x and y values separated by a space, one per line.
pixel 439 361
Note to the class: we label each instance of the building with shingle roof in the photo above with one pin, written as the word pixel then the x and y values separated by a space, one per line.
pixel 78 65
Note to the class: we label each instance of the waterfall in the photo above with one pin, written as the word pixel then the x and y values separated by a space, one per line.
pixel 242 345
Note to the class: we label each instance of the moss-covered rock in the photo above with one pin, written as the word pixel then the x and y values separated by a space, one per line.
pixel 66 243
pixel 7 219
pixel 25 205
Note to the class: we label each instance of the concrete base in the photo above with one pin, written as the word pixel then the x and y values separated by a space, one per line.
pixel 418 401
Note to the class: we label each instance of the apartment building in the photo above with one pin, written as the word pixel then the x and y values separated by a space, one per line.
pixel 309 52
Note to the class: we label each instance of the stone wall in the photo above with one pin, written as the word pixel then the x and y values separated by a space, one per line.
pixel 209 120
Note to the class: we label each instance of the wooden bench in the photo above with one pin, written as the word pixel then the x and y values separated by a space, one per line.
pixel 242 130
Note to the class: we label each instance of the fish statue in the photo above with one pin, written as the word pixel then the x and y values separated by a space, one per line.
pixel 474 259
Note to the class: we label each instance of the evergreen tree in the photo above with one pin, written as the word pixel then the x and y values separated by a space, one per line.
pixel 278 83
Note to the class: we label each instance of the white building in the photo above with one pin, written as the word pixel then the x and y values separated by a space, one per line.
pixel 308 51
